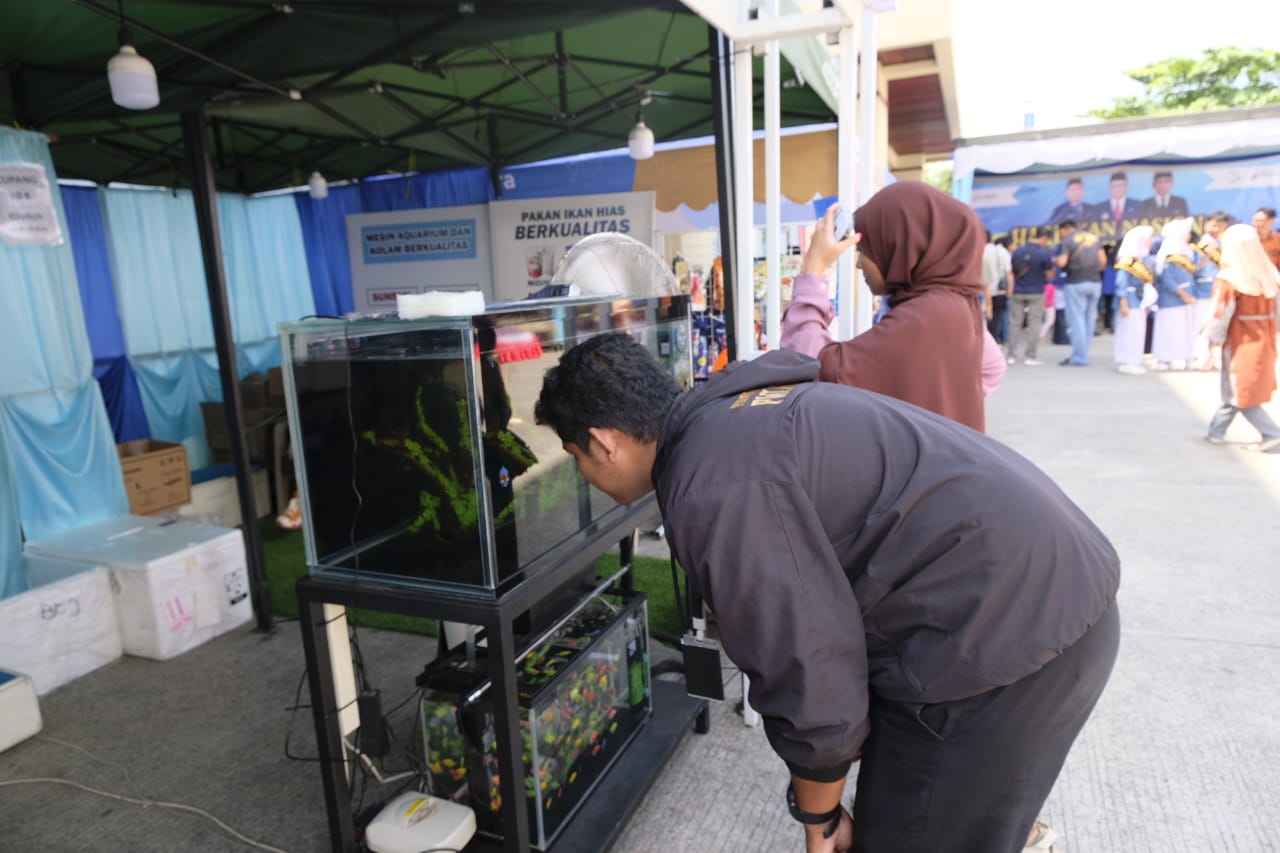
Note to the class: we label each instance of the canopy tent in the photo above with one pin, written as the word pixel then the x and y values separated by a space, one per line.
pixel 355 88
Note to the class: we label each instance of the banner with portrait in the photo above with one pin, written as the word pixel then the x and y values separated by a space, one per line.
pixel 1110 200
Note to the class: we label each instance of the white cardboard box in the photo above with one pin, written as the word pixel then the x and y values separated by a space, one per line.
pixel 176 584
pixel 19 709
pixel 217 501
pixel 63 626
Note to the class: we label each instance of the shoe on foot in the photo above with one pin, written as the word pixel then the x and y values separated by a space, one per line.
pixel 1162 367
pixel 1067 362
pixel 1011 360
pixel 1032 362
pixel 291 518
pixel 1131 370
pixel 1042 840
pixel 1269 445
pixel 1178 365
pixel 1214 439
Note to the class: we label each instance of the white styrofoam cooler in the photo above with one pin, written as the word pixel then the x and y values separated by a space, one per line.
pixel 19 709
pixel 177 584
pixel 63 626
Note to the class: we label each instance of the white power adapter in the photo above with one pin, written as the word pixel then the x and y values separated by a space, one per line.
pixel 413 822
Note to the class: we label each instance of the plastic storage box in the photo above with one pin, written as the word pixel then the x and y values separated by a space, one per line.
pixel 176 584
pixel 583 694
pixel 63 626
pixel 419 461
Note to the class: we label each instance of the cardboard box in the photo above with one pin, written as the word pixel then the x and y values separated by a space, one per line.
pixel 257 430
pixel 156 475
pixel 275 388
pixel 253 392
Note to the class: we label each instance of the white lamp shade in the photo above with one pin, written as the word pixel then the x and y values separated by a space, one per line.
pixel 640 141
pixel 133 80
pixel 318 186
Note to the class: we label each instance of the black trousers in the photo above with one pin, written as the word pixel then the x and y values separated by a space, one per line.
pixel 971 776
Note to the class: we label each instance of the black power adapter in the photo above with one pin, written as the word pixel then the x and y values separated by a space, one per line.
pixel 372 736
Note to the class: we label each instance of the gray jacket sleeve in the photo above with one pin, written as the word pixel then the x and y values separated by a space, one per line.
pixel 786 615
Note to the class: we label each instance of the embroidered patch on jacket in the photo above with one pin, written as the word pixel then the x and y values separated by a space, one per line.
pixel 763 396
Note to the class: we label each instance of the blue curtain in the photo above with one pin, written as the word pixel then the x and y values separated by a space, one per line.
pixel 324 229
pixel 154 247
pixel 12 578
pixel 589 175
pixel 438 189
pixel 61 452
pixel 97 295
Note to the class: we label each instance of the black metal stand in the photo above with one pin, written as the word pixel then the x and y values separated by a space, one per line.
pixel 600 818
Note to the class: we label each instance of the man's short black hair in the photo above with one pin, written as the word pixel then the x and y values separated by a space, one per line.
pixel 609 381
pixel 1162 175
pixel 1003 240
pixel 1067 223
pixel 1269 212
pixel 1219 216
pixel 1042 231
pixel 1119 176
pixel 1075 181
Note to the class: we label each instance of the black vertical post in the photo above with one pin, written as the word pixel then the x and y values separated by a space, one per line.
pixel 721 54
pixel 205 196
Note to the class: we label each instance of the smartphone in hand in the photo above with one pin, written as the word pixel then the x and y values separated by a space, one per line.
pixel 844 223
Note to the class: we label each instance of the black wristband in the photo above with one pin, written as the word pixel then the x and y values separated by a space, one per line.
pixel 832 818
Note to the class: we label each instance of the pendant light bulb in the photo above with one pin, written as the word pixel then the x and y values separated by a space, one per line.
pixel 131 77
pixel 640 140
pixel 317 186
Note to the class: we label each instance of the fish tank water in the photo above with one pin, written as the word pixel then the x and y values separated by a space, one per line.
pixel 415 448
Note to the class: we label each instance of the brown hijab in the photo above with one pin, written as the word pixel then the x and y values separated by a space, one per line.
pixel 928 349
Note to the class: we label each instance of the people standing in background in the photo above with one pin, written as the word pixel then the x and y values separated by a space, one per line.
pixel 1133 274
pixel 1250 281
pixel 922 249
pixel 1119 206
pixel 1081 257
pixel 1163 205
pixel 1105 306
pixel 1175 315
pixel 997 281
pixel 1202 351
pixel 1074 207
pixel 1033 270
pixel 1264 222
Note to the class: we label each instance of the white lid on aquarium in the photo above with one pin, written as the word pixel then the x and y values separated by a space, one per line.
pixel 610 263
pixel 439 303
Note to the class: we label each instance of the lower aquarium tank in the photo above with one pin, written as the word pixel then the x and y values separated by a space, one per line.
pixel 417 455
pixel 583 693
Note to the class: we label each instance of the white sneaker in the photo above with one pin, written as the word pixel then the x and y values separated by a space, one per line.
pixel 1178 365
pixel 1032 362
pixel 1131 369
pixel 1011 360
pixel 1043 841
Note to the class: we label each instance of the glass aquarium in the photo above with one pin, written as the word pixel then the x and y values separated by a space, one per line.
pixel 583 693
pixel 414 443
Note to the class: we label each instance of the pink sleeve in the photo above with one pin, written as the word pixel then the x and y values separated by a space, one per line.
pixel 806 324
pixel 993 365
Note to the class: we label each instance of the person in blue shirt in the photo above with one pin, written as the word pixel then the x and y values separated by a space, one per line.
pixel 1133 275
pixel 1033 268
pixel 1175 270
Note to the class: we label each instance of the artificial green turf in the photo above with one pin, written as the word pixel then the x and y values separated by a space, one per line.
pixel 286 563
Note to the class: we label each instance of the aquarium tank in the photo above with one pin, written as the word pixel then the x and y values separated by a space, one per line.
pixel 415 448
pixel 583 693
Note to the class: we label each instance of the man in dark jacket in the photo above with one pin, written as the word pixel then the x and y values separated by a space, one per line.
pixel 898 587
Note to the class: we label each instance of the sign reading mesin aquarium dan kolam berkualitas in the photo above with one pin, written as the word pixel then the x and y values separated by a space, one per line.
pixel 27 213
pixel 411 251
pixel 530 236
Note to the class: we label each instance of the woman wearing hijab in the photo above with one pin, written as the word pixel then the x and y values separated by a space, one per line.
pixel 922 250
pixel 1133 273
pixel 1248 280
pixel 1175 270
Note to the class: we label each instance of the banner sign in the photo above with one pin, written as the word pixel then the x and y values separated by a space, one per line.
pixel 27 214
pixel 412 251
pixel 530 236
pixel 1109 201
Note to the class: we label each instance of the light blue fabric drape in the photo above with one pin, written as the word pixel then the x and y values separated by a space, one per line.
pixel 12 578
pixel 61 452
pixel 154 246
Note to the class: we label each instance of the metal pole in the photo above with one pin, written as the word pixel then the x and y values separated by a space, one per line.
pixel 204 194
pixel 744 199
pixel 721 52
pixel 775 246
pixel 846 155
pixel 868 94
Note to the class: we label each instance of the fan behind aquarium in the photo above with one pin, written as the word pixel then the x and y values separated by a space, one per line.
pixel 610 263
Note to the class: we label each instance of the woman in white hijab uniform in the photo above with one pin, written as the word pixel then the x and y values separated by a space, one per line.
pixel 1172 339
pixel 1133 274
pixel 1248 281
